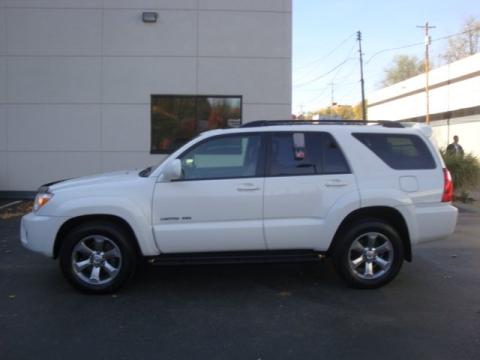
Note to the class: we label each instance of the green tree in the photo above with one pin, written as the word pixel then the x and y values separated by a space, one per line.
pixel 357 111
pixel 465 44
pixel 346 112
pixel 403 67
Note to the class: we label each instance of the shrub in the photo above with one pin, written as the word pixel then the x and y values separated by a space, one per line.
pixel 465 171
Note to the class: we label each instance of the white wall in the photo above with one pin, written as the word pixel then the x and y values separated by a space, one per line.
pixel 448 97
pixel 76 76
pixel 457 95
pixel 466 128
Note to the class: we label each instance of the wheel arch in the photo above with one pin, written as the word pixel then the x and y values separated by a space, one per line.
pixel 385 213
pixel 83 219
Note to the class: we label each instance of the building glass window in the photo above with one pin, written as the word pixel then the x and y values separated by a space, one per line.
pixel 175 119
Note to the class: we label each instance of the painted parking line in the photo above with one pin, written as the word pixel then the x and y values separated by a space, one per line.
pixel 10 204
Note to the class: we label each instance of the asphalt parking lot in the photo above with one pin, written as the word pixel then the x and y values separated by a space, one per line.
pixel 431 311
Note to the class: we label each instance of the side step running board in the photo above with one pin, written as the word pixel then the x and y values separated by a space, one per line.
pixel 241 257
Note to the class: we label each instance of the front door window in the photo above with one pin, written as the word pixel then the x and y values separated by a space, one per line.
pixel 223 157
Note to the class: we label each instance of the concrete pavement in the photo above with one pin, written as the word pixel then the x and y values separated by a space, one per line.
pixel 431 311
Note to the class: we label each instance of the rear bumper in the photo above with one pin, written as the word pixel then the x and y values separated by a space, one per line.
pixel 37 233
pixel 434 222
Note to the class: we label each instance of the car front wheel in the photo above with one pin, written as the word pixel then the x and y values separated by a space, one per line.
pixel 97 258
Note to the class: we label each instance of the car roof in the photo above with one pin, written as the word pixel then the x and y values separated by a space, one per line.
pixel 343 128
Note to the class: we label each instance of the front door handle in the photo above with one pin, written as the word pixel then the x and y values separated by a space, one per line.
pixel 247 187
pixel 335 183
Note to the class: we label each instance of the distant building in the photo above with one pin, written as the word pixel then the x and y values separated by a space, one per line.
pixel 454 102
pixel 89 86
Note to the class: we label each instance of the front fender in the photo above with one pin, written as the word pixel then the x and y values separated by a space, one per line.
pixel 137 216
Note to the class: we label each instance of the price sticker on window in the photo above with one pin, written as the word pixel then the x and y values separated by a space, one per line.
pixel 299 146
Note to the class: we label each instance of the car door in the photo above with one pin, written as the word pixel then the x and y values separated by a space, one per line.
pixel 306 175
pixel 217 205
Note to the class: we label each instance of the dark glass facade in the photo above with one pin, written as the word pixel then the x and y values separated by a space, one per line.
pixel 175 119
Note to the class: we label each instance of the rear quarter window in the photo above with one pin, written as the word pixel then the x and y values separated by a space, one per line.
pixel 399 151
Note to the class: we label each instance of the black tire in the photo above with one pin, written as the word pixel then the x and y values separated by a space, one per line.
pixel 346 255
pixel 117 250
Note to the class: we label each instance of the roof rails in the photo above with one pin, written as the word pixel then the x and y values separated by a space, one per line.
pixel 258 123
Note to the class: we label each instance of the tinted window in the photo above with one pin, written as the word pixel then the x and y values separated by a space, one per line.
pixel 177 119
pixel 308 153
pixel 223 157
pixel 402 152
pixel 333 160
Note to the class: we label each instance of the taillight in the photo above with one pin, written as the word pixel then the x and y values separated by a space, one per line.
pixel 447 186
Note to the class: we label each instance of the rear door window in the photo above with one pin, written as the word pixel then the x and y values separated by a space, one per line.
pixel 305 153
pixel 333 160
pixel 399 151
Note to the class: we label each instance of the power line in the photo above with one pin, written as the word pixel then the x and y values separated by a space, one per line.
pixel 340 69
pixel 325 74
pixel 348 76
pixel 452 35
pixel 320 59
pixel 317 97
pixel 309 74
pixel 391 49
pixel 414 45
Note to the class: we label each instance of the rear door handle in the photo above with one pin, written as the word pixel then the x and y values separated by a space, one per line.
pixel 335 183
pixel 247 187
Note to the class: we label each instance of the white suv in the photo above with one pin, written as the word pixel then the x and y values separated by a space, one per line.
pixel 267 191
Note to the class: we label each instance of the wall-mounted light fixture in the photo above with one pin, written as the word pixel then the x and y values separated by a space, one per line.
pixel 149 17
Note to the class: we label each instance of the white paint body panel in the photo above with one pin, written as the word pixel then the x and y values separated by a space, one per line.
pixel 221 217
pixel 297 209
pixel 122 194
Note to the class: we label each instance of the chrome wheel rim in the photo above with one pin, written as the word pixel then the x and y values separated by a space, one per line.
pixel 96 260
pixel 371 255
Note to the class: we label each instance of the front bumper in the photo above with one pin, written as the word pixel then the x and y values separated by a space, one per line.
pixel 38 233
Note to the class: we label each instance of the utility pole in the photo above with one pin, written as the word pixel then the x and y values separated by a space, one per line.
pixel 300 117
pixel 362 82
pixel 332 92
pixel 426 27
pixel 332 101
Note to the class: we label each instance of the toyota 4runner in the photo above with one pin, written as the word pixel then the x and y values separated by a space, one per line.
pixel 360 193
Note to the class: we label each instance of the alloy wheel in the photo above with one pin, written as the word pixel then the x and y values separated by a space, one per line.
pixel 371 255
pixel 96 260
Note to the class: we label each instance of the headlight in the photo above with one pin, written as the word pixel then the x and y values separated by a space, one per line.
pixel 41 200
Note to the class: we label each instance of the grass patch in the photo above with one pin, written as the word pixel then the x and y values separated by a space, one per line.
pixel 16 210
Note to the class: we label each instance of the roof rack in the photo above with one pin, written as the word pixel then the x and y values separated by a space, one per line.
pixel 258 123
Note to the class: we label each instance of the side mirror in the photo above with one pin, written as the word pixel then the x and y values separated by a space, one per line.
pixel 173 171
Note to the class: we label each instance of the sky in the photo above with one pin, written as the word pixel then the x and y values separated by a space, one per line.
pixel 325 49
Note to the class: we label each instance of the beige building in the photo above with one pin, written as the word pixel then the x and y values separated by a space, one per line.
pixel 89 86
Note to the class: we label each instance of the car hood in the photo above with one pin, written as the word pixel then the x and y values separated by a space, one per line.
pixel 94 180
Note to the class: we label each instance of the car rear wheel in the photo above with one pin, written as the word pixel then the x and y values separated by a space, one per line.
pixel 369 254
pixel 97 258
